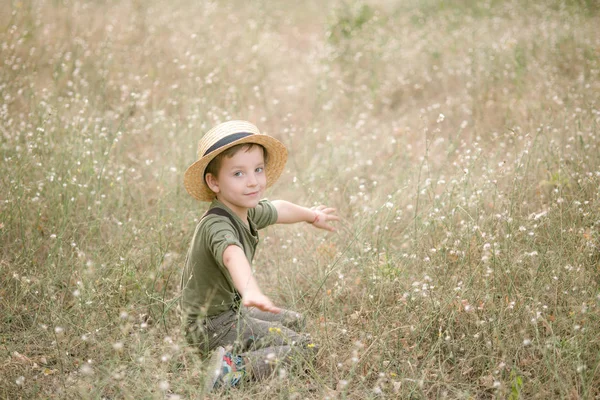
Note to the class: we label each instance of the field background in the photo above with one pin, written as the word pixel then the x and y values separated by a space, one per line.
pixel 459 141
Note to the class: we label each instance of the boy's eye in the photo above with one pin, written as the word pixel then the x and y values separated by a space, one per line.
pixel 238 173
pixel 260 169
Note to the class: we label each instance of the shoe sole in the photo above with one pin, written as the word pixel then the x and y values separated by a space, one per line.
pixel 214 369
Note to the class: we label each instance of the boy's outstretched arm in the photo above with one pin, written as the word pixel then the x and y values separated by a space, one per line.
pixel 289 213
pixel 237 264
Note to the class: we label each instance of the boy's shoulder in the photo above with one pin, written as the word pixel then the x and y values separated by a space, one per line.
pixel 262 215
pixel 216 219
pixel 217 211
pixel 264 206
pixel 220 215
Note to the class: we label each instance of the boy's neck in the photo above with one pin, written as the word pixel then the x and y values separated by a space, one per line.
pixel 241 212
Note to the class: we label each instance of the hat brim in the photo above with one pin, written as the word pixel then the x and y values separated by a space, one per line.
pixel 193 179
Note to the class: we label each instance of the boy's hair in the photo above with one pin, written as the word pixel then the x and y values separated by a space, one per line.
pixel 214 166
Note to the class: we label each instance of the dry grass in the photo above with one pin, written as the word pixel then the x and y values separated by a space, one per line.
pixel 458 140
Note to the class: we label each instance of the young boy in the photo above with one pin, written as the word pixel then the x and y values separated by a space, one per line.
pixel 222 303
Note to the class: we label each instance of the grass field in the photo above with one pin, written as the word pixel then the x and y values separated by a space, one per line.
pixel 459 141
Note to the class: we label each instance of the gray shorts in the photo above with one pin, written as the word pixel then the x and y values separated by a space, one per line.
pixel 263 339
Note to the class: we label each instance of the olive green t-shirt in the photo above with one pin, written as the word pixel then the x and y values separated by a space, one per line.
pixel 207 287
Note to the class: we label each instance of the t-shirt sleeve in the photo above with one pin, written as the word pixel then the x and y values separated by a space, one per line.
pixel 264 214
pixel 220 235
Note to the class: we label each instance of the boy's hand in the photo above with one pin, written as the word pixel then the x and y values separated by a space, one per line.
pixel 260 301
pixel 324 214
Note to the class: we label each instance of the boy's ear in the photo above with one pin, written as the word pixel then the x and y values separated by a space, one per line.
pixel 212 182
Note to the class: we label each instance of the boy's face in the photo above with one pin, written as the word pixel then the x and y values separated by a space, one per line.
pixel 241 181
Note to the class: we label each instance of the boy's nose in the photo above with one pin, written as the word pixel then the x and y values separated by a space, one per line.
pixel 252 181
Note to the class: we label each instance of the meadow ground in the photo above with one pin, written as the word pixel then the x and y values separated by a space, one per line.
pixel 458 140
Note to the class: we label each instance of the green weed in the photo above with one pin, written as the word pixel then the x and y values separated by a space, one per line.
pixel 458 140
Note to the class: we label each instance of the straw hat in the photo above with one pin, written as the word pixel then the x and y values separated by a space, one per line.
pixel 222 137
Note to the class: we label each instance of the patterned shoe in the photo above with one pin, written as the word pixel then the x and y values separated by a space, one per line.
pixel 224 369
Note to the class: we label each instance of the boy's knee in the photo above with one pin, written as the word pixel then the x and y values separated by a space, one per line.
pixel 293 320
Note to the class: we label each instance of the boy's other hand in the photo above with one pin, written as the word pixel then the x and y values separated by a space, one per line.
pixel 323 215
pixel 260 301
